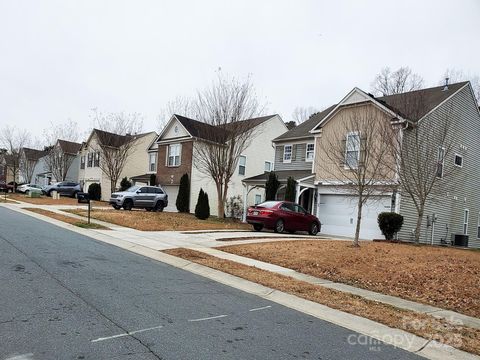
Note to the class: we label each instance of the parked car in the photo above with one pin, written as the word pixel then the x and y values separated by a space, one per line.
pixel 65 188
pixel 26 188
pixel 281 216
pixel 147 197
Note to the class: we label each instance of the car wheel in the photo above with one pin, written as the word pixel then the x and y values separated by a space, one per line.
pixel 75 195
pixel 116 207
pixel 49 194
pixel 313 229
pixel 279 226
pixel 159 206
pixel 128 204
pixel 257 227
pixel 27 192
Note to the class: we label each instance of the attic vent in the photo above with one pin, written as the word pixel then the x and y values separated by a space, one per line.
pixel 446 84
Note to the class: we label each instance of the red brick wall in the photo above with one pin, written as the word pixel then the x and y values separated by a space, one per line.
pixel 168 175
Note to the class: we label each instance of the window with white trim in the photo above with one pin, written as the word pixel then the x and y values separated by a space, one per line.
pixel 174 155
pixel 268 166
pixel 258 199
pixel 89 159
pixel 82 162
pixel 152 162
pixel 352 150
pixel 458 160
pixel 242 163
pixel 96 159
pixel 287 153
pixel 310 152
pixel 465 222
pixel 440 161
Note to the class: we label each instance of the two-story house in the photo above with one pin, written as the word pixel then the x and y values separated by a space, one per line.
pixel 454 211
pixel 91 156
pixel 177 152
pixel 294 157
pixel 66 160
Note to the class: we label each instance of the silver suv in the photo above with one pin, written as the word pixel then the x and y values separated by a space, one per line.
pixel 148 197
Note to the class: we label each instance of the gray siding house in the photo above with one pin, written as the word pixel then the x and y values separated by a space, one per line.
pixel 294 157
pixel 457 210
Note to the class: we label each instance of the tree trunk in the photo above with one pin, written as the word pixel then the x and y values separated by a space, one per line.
pixel 113 184
pixel 220 204
pixel 418 227
pixel 359 221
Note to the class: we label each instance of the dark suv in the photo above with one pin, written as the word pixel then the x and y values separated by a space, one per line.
pixel 148 197
pixel 64 188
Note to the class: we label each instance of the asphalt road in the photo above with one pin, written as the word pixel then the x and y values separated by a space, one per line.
pixel 67 296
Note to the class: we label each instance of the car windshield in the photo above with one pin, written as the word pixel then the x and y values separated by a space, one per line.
pixel 133 188
pixel 268 204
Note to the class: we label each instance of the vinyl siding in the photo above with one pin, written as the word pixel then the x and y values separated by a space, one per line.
pixel 462 191
pixel 298 157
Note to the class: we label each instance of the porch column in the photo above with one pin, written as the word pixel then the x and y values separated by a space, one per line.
pixel 297 193
pixel 245 196
pixel 313 202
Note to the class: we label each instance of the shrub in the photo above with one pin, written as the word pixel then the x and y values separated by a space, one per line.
pixel 183 197
pixel 125 184
pixel 234 207
pixel 290 190
pixel 390 223
pixel 153 179
pixel 271 186
pixel 202 210
pixel 95 191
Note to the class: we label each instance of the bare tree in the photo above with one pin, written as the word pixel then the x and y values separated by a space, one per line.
pixel 116 134
pixel 454 75
pixel 356 155
pixel 420 154
pixel 396 82
pixel 60 152
pixel 180 105
pixel 301 114
pixel 13 140
pixel 224 107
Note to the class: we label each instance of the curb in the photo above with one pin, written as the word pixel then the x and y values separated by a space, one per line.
pixel 427 348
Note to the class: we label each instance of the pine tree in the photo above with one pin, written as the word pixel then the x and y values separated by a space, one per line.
pixel 290 190
pixel 202 210
pixel 183 197
pixel 271 186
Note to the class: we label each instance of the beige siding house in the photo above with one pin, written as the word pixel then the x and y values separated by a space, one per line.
pixel 90 157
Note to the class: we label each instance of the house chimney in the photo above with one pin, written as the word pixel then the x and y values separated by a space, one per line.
pixel 446 84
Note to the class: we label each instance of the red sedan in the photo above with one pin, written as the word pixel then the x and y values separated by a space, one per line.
pixel 282 215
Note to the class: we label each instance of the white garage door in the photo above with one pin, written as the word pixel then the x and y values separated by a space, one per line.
pixel 172 192
pixel 338 215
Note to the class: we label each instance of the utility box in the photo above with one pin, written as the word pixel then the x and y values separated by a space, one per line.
pixel 460 240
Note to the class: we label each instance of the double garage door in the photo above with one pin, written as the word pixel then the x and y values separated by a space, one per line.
pixel 172 192
pixel 338 215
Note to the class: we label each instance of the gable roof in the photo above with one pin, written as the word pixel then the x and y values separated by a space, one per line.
pixel 411 105
pixel 217 133
pixel 69 147
pixel 106 138
pixel 414 105
pixel 303 130
pixel 33 154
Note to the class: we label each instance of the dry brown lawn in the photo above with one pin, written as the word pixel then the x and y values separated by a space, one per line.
pixel 161 221
pixel 420 324
pixel 67 219
pixel 444 277
pixel 45 200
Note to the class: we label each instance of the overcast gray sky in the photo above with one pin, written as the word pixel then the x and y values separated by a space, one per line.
pixel 59 59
